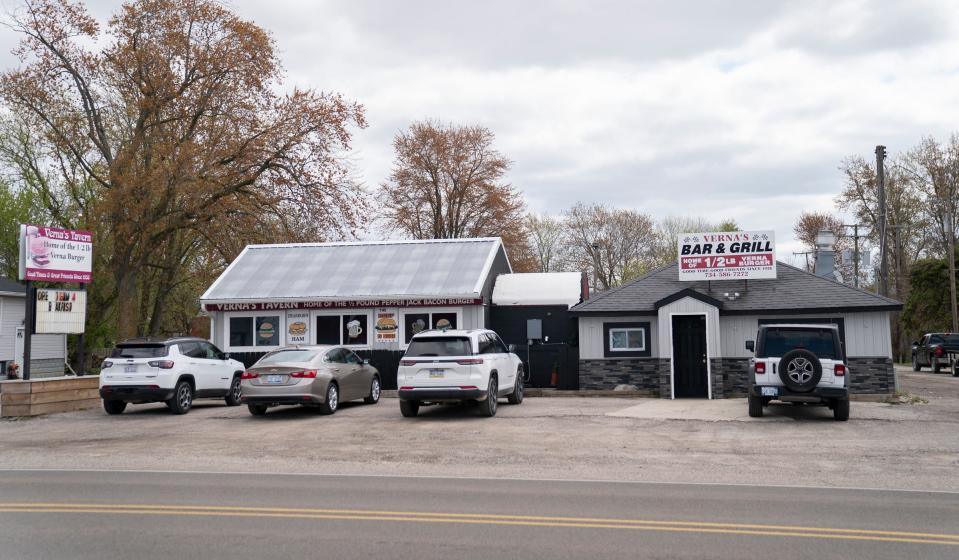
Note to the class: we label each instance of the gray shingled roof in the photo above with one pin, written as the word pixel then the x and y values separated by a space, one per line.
pixel 794 290
pixel 432 268
pixel 7 285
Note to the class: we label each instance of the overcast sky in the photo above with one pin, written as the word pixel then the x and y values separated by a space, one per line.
pixel 739 109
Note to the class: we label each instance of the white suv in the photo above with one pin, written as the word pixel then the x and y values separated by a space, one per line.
pixel 169 370
pixel 458 365
pixel 798 364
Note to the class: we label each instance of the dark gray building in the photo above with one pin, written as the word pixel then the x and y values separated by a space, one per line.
pixel 637 335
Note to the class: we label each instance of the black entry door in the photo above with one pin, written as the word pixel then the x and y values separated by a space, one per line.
pixel 689 356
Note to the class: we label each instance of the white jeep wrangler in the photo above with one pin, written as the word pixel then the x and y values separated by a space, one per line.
pixel 798 364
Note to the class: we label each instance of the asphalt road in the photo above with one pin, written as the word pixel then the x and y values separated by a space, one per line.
pixel 144 515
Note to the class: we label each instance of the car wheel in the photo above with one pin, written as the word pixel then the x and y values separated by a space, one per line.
pixel 488 407
pixel 182 399
pixel 936 368
pixel 800 370
pixel 332 400
pixel 755 406
pixel 840 409
pixel 516 397
pixel 374 396
pixel 955 369
pixel 114 407
pixel 256 409
pixel 915 364
pixel 233 397
pixel 409 408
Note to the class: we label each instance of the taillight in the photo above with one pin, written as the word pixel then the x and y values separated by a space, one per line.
pixel 162 364
pixel 840 370
pixel 106 364
pixel 249 375
pixel 407 362
pixel 470 361
pixel 939 351
pixel 304 374
pixel 760 367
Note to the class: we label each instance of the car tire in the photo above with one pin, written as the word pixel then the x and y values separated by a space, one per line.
pixel 755 406
pixel 233 397
pixel 332 401
pixel 915 364
pixel 936 366
pixel 840 409
pixel 487 407
pixel 257 409
pixel 114 407
pixel 374 396
pixel 409 408
pixel 182 400
pixel 955 369
pixel 516 397
pixel 800 370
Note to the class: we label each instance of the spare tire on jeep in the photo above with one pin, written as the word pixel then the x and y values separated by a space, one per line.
pixel 800 370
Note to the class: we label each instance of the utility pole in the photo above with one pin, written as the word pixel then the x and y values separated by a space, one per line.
pixel 881 190
pixel 855 254
pixel 951 259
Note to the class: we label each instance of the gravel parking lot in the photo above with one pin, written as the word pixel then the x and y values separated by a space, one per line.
pixel 907 446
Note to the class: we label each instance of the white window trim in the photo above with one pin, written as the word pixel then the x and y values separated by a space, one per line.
pixel 253 314
pixel 339 313
pixel 641 348
pixel 403 312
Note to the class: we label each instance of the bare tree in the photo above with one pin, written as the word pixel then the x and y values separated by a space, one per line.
pixel 546 237
pixel 668 229
pixel 614 243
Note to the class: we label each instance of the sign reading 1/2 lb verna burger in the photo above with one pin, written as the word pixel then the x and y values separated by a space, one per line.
pixel 728 255
pixel 55 255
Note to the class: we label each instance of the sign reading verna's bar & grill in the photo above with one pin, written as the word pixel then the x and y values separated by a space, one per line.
pixel 731 255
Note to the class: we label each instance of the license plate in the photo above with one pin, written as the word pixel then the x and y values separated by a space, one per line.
pixel 129 369
pixel 275 379
pixel 770 391
pixel 437 373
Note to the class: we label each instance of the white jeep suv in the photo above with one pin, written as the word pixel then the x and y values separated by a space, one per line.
pixel 798 364
pixel 170 370
pixel 458 366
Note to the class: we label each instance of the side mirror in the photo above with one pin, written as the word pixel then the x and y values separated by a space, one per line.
pixel 751 345
pixel 227 356
pixel 915 343
pixel 512 348
pixel 366 361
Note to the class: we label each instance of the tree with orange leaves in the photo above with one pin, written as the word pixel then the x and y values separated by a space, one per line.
pixel 167 132
pixel 448 182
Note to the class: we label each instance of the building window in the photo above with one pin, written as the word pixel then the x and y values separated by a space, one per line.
pixel 444 320
pixel 417 322
pixel 257 330
pixel 348 329
pixel 626 340
pixel 328 329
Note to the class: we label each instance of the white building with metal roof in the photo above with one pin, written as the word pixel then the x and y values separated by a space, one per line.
pixel 370 296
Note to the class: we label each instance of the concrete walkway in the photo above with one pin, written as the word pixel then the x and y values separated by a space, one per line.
pixel 734 410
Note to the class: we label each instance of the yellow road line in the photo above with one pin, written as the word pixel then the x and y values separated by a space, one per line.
pixel 811 532
pixel 559 519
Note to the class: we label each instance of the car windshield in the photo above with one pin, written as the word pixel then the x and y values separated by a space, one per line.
pixel 139 351
pixel 439 346
pixel 818 341
pixel 297 355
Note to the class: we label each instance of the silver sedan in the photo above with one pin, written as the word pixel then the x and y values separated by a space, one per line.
pixel 315 376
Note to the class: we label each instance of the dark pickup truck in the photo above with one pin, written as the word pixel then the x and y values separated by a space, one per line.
pixel 936 350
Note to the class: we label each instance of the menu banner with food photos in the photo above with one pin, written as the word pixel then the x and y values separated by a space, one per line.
pixel 298 327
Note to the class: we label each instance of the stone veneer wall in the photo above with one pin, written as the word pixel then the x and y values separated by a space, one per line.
pixel 871 375
pixel 735 376
pixel 645 374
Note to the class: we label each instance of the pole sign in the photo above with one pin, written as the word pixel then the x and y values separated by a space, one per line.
pixel 55 255
pixel 728 255
pixel 61 311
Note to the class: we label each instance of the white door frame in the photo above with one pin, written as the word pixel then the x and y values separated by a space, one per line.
pixel 672 353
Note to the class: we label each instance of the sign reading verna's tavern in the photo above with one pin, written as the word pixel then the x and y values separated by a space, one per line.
pixel 727 255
